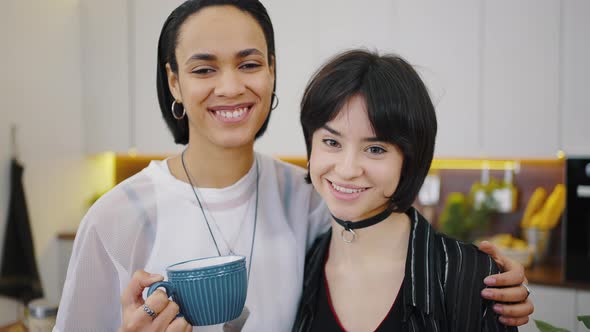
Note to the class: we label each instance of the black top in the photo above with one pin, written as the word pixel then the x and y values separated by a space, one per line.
pixel 441 289
pixel 328 321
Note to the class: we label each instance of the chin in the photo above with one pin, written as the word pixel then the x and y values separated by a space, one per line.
pixel 234 140
pixel 344 214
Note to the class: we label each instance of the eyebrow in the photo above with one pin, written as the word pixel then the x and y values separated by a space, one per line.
pixel 201 56
pixel 212 57
pixel 249 51
pixel 337 133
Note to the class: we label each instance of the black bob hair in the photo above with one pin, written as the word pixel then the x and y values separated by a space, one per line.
pixel 398 106
pixel 166 54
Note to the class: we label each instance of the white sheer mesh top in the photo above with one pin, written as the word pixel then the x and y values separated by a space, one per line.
pixel 152 220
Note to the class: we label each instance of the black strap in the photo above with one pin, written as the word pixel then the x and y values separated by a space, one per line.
pixel 348 225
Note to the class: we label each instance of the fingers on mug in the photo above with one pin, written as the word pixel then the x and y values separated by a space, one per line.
pixel 168 286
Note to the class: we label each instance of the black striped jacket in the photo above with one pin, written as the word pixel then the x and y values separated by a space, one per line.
pixel 442 286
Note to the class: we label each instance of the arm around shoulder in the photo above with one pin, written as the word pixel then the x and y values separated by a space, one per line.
pixel 466 269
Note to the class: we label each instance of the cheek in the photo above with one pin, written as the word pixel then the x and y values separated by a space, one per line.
pixel 388 192
pixel 262 85
pixel 194 91
pixel 390 178
pixel 318 163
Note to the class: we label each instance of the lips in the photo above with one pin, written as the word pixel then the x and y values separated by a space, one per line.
pixel 346 191
pixel 231 113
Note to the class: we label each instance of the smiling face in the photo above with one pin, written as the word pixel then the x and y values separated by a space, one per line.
pixel 224 79
pixel 352 170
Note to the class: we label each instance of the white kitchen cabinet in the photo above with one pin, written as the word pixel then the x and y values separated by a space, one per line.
pixel 11 310
pixel 442 40
pixel 105 75
pixel 508 79
pixel 296 62
pixel 554 305
pixel 119 43
pixel 151 135
pixel 575 105
pixel 582 308
pixel 64 249
pixel 353 24
pixel 520 78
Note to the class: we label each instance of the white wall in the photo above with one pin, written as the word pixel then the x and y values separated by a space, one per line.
pixel 41 94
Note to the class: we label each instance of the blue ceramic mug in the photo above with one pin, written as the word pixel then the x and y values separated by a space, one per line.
pixel 208 290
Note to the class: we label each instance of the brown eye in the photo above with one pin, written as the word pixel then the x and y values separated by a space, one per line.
pixel 250 65
pixel 203 71
pixel 331 143
pixel 376 150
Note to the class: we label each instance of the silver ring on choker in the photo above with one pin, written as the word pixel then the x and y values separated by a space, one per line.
pixel 351 235
pixel 149 311
pixel 528 290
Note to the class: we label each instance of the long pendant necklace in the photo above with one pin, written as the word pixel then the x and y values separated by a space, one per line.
pixel 230 245
pixel 241 320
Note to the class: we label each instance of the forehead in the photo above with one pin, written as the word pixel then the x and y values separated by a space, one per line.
pixel 352 119
pixel 220 30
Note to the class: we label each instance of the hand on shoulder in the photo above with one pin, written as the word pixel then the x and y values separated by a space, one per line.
pixel 507 287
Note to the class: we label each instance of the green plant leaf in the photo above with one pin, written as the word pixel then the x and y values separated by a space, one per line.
pixel 546 327
pixel 585 320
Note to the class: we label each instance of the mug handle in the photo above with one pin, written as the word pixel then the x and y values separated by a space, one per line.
pixel 168 286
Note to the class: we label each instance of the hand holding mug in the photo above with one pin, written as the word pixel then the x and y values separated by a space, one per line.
pixel 163 311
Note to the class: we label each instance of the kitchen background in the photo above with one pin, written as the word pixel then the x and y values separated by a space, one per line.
pixel 509 79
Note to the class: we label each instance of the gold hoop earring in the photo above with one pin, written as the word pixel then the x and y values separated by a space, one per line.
pixel 276 98
pixel 177 117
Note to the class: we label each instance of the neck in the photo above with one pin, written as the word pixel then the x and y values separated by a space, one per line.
pixel 213 168
pixel 387 240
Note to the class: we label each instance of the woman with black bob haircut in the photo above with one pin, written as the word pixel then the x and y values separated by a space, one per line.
pixel 216 77
pixel 398 105
pixel 370 129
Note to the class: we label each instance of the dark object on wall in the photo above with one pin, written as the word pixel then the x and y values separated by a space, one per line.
pixel 19 277
pixel 577 220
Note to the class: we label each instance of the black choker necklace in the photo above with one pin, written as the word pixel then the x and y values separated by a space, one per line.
pixel 349 226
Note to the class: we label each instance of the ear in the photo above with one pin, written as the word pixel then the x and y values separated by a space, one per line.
pixel 272 66
pixel 173 83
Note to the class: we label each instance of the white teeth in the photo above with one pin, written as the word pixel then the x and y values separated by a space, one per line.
pixel 235 114
pixel 346 190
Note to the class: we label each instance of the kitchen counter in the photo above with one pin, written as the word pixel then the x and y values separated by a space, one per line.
pixel 14 327
pixel 548 274
pixel 551 274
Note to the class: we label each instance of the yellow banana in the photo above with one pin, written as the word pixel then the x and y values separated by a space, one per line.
pixel 518 244
pixel 554 207
pixel 502 240
pixel 537 220
pixel 533 206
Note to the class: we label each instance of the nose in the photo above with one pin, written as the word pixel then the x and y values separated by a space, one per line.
pixel 230 84
pixel 349 166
